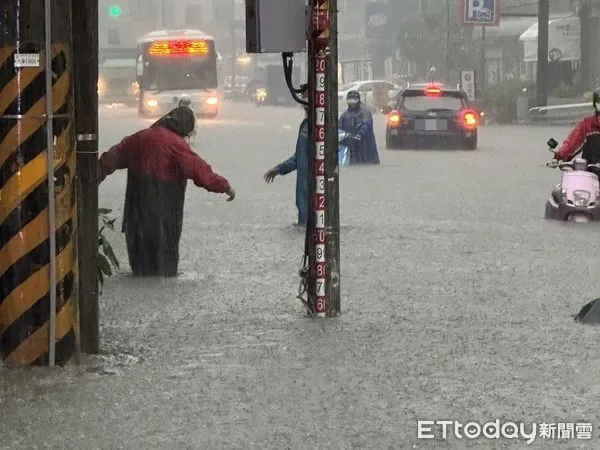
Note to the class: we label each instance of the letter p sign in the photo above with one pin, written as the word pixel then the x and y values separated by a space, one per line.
pixel 481 12
pixel 474 7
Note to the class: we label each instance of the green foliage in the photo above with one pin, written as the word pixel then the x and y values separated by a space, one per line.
pixel 500 100
pixel 107 261
pixel 564 90
pixel 423 41
pixel 588 96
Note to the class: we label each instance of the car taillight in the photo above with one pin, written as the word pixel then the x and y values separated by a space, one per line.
pixel 470 119
pixel 394 118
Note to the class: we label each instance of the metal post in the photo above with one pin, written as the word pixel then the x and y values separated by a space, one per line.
pixel 447 72
pixel 324 271
pixel 233 45
pixel 51 189
pixel 38 249
pixel 586 44
pixel 542 57
pixel 162 11
pixel 85 50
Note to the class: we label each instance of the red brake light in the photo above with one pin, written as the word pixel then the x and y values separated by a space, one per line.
pixel 178 48
pixel 433 91
pixel 394 118
pixel 470 119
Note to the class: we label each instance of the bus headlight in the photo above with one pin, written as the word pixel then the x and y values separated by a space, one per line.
pixel 152 103
pixel 101 87
pixel 212 101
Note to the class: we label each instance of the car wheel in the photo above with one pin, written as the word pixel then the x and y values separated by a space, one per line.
pixel 392 143
pixel 388 142
pixel 210 116
pixel 471 143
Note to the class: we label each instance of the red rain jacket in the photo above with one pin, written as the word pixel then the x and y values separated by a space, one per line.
pixel 163 155
pixel 585 138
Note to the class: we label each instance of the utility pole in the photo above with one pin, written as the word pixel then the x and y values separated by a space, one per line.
pixel 542 57
pixel 584 46
pixel 38 229
pixel 482 64
pixel 588 19
pixel 162 13
pixel 323 227
pixel 85 55
pixel 332 185
pixel 448 41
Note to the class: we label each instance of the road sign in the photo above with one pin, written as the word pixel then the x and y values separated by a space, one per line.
pixel 480 12
pixel 467 83
pixel 555 54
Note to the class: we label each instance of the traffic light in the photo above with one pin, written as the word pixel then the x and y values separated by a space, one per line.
pixel 115 11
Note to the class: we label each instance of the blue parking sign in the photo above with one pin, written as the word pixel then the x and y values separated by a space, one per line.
pixel 480 12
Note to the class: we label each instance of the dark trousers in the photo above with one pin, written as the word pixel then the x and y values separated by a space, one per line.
pixel 153 254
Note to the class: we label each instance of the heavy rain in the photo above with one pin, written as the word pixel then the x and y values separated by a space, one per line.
pixel 462 266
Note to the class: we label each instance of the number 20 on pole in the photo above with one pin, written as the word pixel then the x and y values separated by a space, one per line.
pixel 320 66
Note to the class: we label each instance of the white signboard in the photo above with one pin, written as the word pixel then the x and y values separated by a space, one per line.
pixel 467 82
pixel 27 60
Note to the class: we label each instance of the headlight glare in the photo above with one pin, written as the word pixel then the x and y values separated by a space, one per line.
pixel 581 198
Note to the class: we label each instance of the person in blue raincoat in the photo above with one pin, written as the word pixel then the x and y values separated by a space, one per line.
pixel 299 162
pixel 357 120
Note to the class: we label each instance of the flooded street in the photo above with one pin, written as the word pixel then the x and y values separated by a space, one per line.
pixel 455 305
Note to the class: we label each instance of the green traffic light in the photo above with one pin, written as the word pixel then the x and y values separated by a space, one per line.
pixel 115 11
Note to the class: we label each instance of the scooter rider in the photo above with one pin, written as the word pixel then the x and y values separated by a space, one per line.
pixel 584 139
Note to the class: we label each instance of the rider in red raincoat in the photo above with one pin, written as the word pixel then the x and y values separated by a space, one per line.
pixel 584 140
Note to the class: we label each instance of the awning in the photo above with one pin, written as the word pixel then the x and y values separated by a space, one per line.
pixel 563 40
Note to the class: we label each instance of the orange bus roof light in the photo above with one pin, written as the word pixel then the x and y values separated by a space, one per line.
pixel 179 48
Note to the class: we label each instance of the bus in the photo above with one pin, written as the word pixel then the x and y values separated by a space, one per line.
pixel 176 64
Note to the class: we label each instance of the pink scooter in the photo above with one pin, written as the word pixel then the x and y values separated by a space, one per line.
pixel 577 197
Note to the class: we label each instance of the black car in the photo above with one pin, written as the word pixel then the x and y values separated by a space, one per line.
pixel 432 116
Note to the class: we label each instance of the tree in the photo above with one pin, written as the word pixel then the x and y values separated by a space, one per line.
pixel 424 40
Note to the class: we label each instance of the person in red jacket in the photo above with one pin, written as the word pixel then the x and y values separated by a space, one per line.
pixel 159 161
pixel 585 137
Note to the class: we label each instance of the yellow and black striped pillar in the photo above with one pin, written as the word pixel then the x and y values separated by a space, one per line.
pixel 24 197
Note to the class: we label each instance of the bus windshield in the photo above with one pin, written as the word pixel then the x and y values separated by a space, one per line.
pixel 175 66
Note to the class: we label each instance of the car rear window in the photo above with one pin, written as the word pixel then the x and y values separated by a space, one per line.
pixel 419 101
